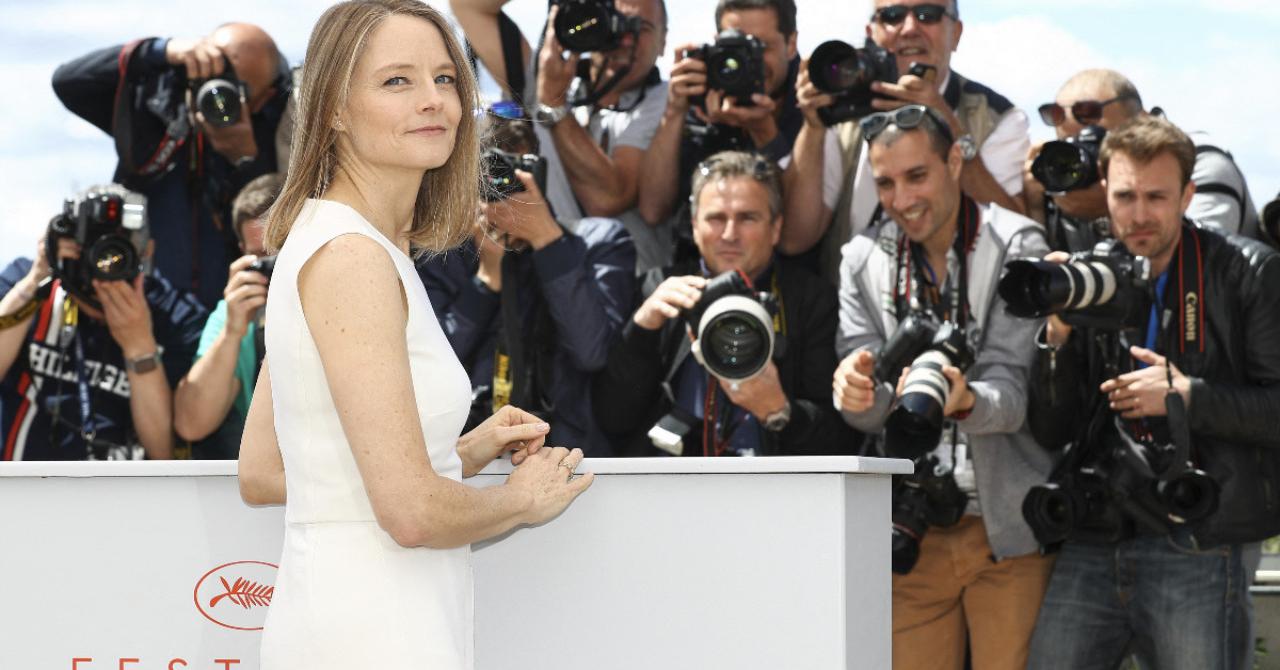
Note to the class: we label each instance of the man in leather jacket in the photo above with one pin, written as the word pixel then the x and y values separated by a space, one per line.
pixel 1130 574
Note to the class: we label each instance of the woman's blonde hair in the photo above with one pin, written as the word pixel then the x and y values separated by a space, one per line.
pixel 445 210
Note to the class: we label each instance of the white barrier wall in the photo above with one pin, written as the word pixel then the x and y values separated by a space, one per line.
pixel 664 563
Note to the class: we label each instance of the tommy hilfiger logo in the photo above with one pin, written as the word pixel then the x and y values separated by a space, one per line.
pixel 236 595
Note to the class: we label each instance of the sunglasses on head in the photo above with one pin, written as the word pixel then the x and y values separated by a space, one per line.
pixel 893 15
pixel 906 118
pixel 506 109
pixel 1085 112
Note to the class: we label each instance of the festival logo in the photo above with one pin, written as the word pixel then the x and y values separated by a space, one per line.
pixel 236 595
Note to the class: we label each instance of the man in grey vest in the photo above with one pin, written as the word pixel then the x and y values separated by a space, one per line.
pixel 969 570
pixel 1108 99
pixel 830 196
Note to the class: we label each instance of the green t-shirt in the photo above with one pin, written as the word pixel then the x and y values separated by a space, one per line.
pixel 246 359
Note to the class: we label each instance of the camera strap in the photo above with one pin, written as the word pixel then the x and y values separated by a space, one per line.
pixel 71 335
pixel 913 267
pixel 1190 259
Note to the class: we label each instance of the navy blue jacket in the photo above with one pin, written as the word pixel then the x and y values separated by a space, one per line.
pixel 573 296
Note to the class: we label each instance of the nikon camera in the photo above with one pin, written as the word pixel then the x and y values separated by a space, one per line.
pixel 109 223
pixel 735 65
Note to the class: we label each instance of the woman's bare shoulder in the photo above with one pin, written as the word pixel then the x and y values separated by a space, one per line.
pixel 350 279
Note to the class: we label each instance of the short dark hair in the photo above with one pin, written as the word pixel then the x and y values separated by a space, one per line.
pixel 254 200
pixel 1146 137
pixel 939 140
pixel 514 136
pixel 784 9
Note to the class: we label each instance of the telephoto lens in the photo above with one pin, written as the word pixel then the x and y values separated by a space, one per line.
pixel 1032 288
pixel 733 329
pixel 914 427
pixel 1070 164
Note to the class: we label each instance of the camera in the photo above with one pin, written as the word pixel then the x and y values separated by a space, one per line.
pixel 840 69
pixel 591 25
pixel 1102 288
pixel 914 427
pixel 1070 164
pixel 500 173
pixel 735 65
pixel 1121 480
pixel 263 266
pixel 109 223
pixel 928 497
pixel 219 98
pixel 733 328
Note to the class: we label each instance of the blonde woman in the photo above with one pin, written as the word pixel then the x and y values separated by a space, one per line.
pixel 361 400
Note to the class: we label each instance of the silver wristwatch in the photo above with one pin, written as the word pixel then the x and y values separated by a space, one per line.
pixel 550 116
pixel 144 363
pixel 778 420
pixel 968 147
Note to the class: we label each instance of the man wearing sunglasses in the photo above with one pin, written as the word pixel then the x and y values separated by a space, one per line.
pixel 1108 99
pixel 978 583
pixel 190 168
pixel 594 149
pixel 829 174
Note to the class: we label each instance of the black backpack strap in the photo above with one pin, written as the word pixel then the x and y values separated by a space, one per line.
pixel 510 38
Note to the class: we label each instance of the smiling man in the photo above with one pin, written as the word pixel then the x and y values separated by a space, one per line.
pixel 830 191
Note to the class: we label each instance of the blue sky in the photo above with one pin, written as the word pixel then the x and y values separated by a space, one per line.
pixel 1212 64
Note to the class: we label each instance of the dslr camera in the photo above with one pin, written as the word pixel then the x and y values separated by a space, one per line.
pixel 928 497
pixel 500 173
pixel 585 26
pixel 914 427
pixel 109 223
pixel 220 97
pixel 735 65
pixel 1070 164
pixel 733 328
pixel 1105 288
pixel 840 69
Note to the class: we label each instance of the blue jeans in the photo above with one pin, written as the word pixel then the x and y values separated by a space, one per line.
pixel 1175 607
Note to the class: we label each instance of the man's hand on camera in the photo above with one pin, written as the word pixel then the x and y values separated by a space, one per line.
pixel 246 291
pixel 524 215
pixel 200 57
pixel 124 305
pixel 853 389
pixel 913 90
pixel 756 119
pixel 555 72
pixel 1056 331
pixel 688 79
pixel 960 398
pixel 761 395
pixel 809 99
pixel 668 300
pixel 234 142
pixel 1140 393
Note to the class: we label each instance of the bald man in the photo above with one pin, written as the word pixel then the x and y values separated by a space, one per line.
pixel 142 94
pixel 1109 99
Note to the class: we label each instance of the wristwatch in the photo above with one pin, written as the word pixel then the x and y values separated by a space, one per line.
pixel 778 420
pixel 143 363
pixel 550 116
pixel 968 147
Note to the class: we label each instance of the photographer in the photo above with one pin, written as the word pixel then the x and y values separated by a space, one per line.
pixel 154 97
pixel 81 356
pixel 1076 217
pixel 212 400
pixel 656 398
pixel 977 568
pixel 829 173
pixel 701 121
pixel 531 306
pixel 1170 408
pixel 593 129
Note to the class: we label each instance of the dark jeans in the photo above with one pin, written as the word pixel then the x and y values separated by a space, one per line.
pixel 1176 607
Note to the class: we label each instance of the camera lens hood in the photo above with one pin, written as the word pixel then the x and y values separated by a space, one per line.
pixel 735 338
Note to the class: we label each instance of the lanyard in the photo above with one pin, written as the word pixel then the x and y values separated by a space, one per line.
pixel 912 266
pixel 1153 321
pixel 88 427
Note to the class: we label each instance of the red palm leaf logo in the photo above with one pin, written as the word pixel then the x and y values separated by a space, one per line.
pixel 244 593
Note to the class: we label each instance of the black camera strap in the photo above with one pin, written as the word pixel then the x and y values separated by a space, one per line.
pixel 913 268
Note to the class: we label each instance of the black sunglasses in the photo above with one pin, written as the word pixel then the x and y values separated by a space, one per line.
pixel 1086 112
pixel 928 14
pixel 906 118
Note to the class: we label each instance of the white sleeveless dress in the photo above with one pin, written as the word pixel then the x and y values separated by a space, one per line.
pixel 347 596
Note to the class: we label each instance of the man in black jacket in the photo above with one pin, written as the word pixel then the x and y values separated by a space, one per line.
pixel 652 381
pixel 189 167
pixel 1149 562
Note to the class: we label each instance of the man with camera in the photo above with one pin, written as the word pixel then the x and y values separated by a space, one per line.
pixel 1072 203
pixel 90 342
pixel 1162 384
pixel 729 355
pixel 193 122
pixel 595 110
pixel 830 191
pixel 212 400
pixel 919 292
pixel 531 305
pixel 735 94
